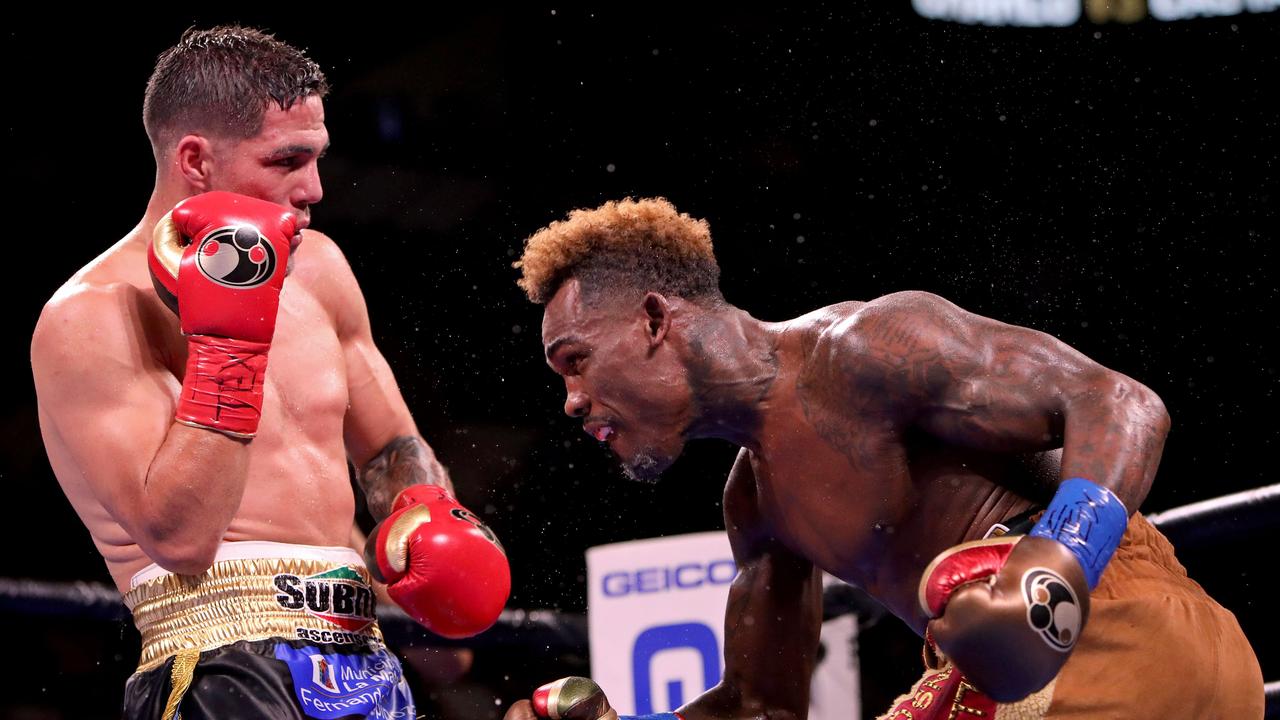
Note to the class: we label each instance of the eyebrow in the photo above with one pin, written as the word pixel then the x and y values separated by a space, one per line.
pixel 288 150
pixel 555 344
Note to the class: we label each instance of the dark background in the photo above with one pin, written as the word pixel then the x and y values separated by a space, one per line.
pixel 1113 185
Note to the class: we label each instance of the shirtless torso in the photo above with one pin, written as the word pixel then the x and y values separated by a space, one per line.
pixel 109 362
pixel 869 502
pixel 874 436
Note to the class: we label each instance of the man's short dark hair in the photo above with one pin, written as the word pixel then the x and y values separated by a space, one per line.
pixel 218 82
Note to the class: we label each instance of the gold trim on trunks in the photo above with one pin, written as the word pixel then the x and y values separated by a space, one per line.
pixel 253 599
pixel 180 675
pixel 930 689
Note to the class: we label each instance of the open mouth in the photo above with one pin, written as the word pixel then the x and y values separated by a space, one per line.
pixel 601 431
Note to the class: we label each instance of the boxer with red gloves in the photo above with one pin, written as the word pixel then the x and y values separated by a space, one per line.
pixel 215 483
pixel 876 436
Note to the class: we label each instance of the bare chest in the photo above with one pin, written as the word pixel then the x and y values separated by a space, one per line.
pixel 297 488
pixel 837 500
pixel 305 390
pixel 871 505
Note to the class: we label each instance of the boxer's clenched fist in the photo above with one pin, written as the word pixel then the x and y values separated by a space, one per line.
pixel 1007 611
pixel 571 698
pixel 218 260
pixel 441 564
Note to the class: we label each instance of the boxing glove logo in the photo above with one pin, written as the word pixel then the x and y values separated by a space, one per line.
pixel 467 516
pixel 236 257
pixel 1052 608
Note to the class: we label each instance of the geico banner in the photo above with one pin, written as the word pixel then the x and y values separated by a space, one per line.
pixel 656 624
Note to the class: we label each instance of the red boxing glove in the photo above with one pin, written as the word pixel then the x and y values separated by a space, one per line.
pixel 572 698
pixel 959 565
pixel 1006 610
pixel 218 260
pixel 440 563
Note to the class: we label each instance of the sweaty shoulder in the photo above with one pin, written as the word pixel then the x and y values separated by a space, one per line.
pixel 323 269
pixel 871 351
pixel 319 259
pixel 75 309
pixel 94 330
pixel 808 328
pixel 894 326
pixel 896 310
pixel 98 301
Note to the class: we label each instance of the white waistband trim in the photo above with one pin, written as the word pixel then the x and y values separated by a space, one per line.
pixel 259 549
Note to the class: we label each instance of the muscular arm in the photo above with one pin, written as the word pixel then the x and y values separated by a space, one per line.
pixel 974 381
pixel 381 438
pixel 106 411
pixel 405 461
pixel 772 619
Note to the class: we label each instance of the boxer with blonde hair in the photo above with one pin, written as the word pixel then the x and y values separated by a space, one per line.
pixel 979 479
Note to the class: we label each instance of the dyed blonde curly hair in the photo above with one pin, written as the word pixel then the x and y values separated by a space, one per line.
pixel 629 244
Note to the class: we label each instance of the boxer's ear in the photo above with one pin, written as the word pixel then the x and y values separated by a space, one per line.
pixel 657 311
pixel 193 157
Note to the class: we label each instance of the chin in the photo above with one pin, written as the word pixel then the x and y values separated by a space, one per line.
pixel 643 468
pixel 648 464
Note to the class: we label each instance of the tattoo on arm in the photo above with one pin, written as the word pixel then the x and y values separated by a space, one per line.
pixel 405 461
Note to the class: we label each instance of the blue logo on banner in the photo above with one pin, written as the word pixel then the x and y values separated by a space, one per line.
pixel 656 579
pixel 657 640
pixel 335 685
